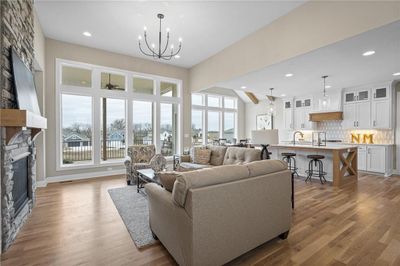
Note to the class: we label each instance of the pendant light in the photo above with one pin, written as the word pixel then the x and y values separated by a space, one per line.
pixel 325 101
pixel 271 106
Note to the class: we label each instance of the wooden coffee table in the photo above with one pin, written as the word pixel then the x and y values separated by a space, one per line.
pixel 146 176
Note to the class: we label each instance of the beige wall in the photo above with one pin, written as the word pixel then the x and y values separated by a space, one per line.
pixel 252 110
pixel 312 25
pixel 39 65
pixel 56 49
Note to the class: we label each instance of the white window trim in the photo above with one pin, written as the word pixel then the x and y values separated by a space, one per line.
pixel 205 108
pixel 128 95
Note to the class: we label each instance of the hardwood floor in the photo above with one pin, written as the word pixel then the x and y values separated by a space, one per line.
pixel 77 224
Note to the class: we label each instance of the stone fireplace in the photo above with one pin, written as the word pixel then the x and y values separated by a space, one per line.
pixel 18 153
pixel 18 185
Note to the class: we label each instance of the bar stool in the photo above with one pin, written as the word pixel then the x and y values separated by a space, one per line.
pixel 319 168
pixel 290 158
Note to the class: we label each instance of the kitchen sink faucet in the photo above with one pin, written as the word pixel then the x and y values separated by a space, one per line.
pixel 294 136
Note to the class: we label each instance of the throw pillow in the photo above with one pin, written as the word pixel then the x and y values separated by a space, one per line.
pixel 201 156
pixel 167 179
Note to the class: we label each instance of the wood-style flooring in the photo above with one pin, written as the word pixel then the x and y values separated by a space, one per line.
pixel 76 223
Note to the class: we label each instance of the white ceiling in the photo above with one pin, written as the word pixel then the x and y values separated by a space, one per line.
pixel 342 62
pixel 206 27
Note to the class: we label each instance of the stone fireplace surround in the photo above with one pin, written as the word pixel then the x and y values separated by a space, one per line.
pixel 20 144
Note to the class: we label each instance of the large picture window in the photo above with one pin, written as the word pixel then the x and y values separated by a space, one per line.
pixel 102 111
pixel 76 129
pixel 112 130
pixel 142 123
pixel 220 114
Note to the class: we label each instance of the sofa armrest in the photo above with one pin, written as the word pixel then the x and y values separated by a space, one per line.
pixel 127 161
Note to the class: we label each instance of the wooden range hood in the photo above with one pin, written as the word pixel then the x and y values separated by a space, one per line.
pixel 15 120
pixel 326 116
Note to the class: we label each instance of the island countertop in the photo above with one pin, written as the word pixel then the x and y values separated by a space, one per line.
pixel 340 160
pixel 329 147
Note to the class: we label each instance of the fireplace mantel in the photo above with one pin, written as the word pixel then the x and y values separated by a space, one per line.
pixel 15 120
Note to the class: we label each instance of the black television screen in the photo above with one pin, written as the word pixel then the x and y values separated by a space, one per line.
pixel 24 85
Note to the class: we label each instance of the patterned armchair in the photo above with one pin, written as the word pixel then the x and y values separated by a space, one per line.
pixel 140 157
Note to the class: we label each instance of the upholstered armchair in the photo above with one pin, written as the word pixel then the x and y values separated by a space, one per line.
pixel 141 157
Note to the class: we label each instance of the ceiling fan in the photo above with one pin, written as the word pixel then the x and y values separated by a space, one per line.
pixel 110 86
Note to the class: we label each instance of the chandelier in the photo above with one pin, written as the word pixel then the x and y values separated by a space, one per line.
pixel 161 51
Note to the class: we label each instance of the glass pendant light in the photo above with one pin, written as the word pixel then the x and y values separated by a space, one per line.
pixel 271 106
pixel 325 101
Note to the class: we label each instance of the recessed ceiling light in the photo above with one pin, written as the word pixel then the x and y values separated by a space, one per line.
pixel 328 86
pixel 177 56
pixel 243 87
pixel 283 95
pixel 368 53
pixel 87 34
pixel 288 75
pixel 396 74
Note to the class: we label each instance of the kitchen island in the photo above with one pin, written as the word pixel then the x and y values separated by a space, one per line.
pixel 340 161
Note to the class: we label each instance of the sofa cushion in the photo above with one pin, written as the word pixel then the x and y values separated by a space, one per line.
pixel 235 155
pixel 206 177
pixel 167 179
pixel 201 156
pixel 265 167
pixel 217 154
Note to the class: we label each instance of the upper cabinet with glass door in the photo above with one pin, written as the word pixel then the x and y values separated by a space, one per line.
pixel 111 81
pixel 360 95
pixel 143 85
pixel 75 76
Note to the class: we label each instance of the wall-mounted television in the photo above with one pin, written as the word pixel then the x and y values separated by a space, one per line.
pixel 24 85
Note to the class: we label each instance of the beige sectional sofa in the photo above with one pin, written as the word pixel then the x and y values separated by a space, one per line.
pixel 220 155
pixel 217 214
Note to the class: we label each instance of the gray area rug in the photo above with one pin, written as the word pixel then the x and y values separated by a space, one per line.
pixel 133 209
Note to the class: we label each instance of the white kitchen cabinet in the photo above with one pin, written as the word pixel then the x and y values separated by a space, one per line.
pixel 288 114
pixel 351 96
pixel 381 114
pixel 381 93
pixel 357 115
pixel 363 115
pixel 362 158
pixel 376 159
pixel 302 109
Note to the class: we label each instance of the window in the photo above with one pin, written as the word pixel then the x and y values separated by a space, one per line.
pixel 229 103
pixel 168 89
pixel 142 85
pixel 197 99
pixel 112 134
pixel 220 119
pixel 142 123
pixel 229 126
pixel 213 126
pixel 74 76
pixel 197 127
pixel 117 116
pixel 76 129
pixel 214 101
pixel 111 81
pixel 168 123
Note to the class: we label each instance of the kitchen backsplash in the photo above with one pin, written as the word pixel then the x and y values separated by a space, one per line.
pixel 334 131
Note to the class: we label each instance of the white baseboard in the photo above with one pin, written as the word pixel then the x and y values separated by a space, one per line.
pixel 62 178
pixel 42 183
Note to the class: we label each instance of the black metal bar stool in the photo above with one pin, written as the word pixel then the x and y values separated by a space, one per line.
pixel 289 157
pixel 319 168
